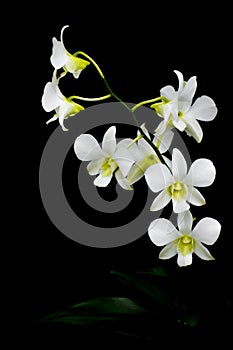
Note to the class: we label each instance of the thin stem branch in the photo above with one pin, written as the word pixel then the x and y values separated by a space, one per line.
pixel 92 61
pixel 137 124
pixel 131 110
pixel 147 101
pixel 90 98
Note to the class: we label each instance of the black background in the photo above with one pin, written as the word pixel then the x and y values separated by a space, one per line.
pixel 138 50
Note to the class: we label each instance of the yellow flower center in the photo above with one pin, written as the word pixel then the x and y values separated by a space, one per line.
pixel 185 244
pixel 177 191
pixel 108 166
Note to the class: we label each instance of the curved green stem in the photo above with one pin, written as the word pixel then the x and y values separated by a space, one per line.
pixel 154 147
pixel 137 124
pixel 90 98
pixel 147 101
pixel 122 102
pixel 131 110
pixel 91 60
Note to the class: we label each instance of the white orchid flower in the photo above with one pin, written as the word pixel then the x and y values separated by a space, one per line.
pixel 174 100
pixel 186 240
pixel 61 58
pixel 146 155
pixel 111 159
pixel 179 184
pixel 178 111
pixel 53 99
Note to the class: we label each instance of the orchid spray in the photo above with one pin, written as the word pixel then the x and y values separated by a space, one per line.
pixel 144 157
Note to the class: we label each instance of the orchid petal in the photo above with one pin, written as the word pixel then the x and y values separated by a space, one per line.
pixel 162 127
pixel 122 181
pixel 179 165
pixel 168 92
pixel 66 110
pixel 195 197
pixel 184 260
pixel 52 119
pixel 87 148
pixel 160 201
pixel 158 177
pixel 188 91
pixel 193 128
pixel 201 173
pixel 164 141
pixel 168 251
pixel 50 100
pixel 202 251
pixel 102 181
pixel 77 73
pixel 179 207
pixel 167 161
pixel 185 222
pixel 179 124
pixel 59 56
pixel 181 79
pixel 203 108
pixel 207 231
pixel 56 87
pixel 124 160
pixel 61 35
pixel 94 166
pixel 162 232
pixel 109 141
pixel 132 148
pixel 136 172
pixel 145 147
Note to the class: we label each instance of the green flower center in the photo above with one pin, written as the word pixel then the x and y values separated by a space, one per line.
pixel 177 191
pixel 180 114
pixel 108 166
pixel 185 244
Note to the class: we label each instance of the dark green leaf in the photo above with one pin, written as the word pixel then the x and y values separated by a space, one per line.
pixel 96 310
pixel 148 288
pixel 158 298
pixel 81 320
pixel 106 305
pixel 156 271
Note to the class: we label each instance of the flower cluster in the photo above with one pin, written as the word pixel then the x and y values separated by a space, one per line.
pixel 144 156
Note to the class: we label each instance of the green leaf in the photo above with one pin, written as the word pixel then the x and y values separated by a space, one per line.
pixel 156 271
pixel 106 305
pixel 148 288
pixel 160 296
pixel 96 310
pixel 81 320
